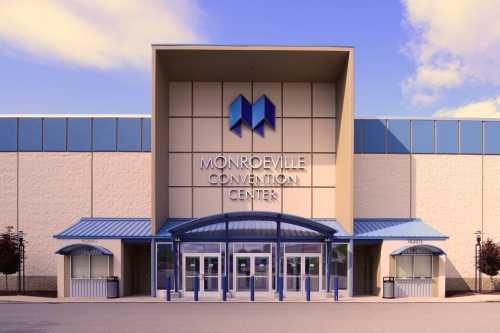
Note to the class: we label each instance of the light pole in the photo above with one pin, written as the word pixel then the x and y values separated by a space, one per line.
pixel 477 277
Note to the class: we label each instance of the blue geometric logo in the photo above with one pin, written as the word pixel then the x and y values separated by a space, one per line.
pixel 254 116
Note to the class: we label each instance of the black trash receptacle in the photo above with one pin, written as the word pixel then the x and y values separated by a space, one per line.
pixel 112 289
pixel 388 287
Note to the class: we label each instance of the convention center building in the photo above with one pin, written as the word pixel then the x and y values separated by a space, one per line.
pixel 251 173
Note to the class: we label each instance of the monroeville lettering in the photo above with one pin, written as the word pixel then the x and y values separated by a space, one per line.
pixel 254 162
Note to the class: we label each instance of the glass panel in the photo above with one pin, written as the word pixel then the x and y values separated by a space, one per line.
pixel 146 134
pixel 293 283
pixel 80 267
pixel 261 283
pixel 243 266
pixel 8 134
pixel 261 266
pixel 211 266
pixel 358 136
pixel 492 137
pixel 165 265
pixel 293 265
pixel 79 134
pixel 54 134
pixel 211 283
pixel 447 136
pixel 129 134
pixel 243 283
pixel 423 136
pixel 470 137
pixel 398 136
pixel 104 134
pixel 189 283
pixel 303 248
pixel 312 266
pixel 374 136
pixel 30 134
pixel 404 266
pixel 339 265
pixel 192 266
pixel 252 248
pixel 423 266
pixel 98 267
pixel 200 248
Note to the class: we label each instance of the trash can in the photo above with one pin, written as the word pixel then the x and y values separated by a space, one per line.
pixel 388 287
pixel 112 290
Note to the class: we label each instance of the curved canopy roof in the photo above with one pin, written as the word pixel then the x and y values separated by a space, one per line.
pixel 87 249
pixel 277 218
pixel 418 249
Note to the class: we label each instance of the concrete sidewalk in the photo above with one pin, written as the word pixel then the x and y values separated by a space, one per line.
pixel 146 299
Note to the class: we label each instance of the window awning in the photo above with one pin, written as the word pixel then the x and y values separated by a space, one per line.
pixel 84 249
pixel 418 249
pixel 395 228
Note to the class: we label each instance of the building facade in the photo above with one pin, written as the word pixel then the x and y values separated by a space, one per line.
pixel 251 171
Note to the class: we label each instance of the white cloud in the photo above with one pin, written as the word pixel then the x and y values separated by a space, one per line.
pixel 489 108
pixel 97 33
pixel 452 42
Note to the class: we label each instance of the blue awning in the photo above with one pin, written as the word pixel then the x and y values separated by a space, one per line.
pixel 395 228
pixel 418 249
pixel 108 228
pixel 87 249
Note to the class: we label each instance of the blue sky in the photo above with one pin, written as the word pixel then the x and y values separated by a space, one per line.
pixel 413 57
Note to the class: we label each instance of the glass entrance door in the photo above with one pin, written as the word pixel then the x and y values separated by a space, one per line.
pixel 256 265
pixel 297 268
pixel 206 267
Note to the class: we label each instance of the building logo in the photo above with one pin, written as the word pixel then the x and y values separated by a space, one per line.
pixel 241 112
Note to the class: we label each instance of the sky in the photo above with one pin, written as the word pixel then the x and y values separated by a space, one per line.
pixel 413 58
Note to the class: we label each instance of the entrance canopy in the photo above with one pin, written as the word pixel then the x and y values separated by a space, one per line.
pixel 250 226
pixel 418 249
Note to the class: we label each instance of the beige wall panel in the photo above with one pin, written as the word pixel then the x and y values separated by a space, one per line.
pixel 271 141
pixel 379 180
pixel 122 184
pixel 491 227
pixel 54 192
pixel 324 135
pixel 201 176
pixel 207 99
pixel 207 201
pixel 231 90
pixel 179 135
pixel 8 190
pixel 272 90
pixel 296 99
pixel 447 195
pixel 234 142
pixel 268 205
pixel 304 175
pixel 235 205
pixel 323 100
pixel 261 171
pixel 296 135
pixel 323 202
pixel 323 170
pixel 180 202
pixel 297 201
pixel 180 99
pixel 207 134
pixel 179 169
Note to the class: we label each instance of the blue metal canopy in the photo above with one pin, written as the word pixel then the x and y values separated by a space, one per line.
pixel 395 228
pixel 110 228
pixel 87 249
pixel 419 249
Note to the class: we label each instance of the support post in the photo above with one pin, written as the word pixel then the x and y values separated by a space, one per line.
pixel 327 263
pixel 350 268
pixel 176 267
pixel 279 281
pixel 196 288
pixel 308 288
pixel 153 268
pixel 169 287
pixel 226 263
pixel 336 288
pixel 252 288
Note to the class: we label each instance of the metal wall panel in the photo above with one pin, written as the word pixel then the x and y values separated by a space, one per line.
pixel 88 288
pixel 413 288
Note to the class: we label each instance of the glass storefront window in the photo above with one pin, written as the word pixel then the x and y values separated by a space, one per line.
pixel 303 248
pixel 422 267
pixel 98 267
pixel 251 248
pixel 414 266
pixel 200 247
pixel 80 267
pixel 404 266
pixel 164 265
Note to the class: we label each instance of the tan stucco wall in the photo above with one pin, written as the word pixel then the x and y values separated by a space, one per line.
pixel 8 190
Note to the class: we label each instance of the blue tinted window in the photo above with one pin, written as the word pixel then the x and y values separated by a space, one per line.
pixel 146 134
pixel 129 134
pixel 423 136
pixel 79 134
pixel 447 136
pixel 30 134
pixel 492 137
pixel 8 134
pixel 358 136
pixel 471 137
pixel 374 136
pixel 54 134
pixel 104 134
pixel 398 136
